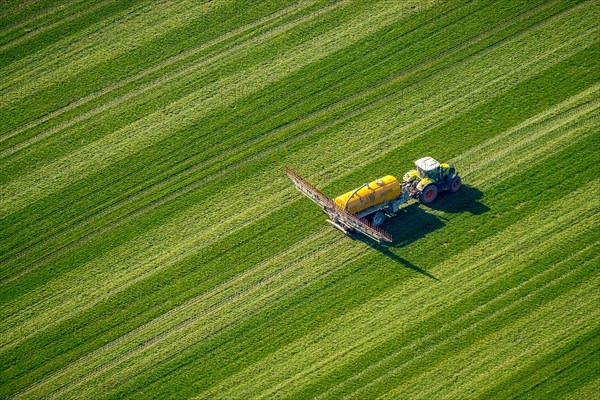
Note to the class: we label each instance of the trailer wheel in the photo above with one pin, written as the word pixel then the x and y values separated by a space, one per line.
pixel 378 218
pixel 428 194
pixel 456 183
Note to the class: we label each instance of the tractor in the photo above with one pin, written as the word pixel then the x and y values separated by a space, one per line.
pixel 430 178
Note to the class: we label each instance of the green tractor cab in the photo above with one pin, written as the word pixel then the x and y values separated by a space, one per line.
pixel 429 178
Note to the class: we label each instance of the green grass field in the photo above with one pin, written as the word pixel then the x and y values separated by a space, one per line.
pixel 152 247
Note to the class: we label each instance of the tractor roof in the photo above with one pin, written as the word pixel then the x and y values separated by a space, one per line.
pixel 427 164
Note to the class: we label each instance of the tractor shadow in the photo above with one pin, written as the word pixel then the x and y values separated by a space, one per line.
pixel 467 199
pixel 409 225
pixel 414 222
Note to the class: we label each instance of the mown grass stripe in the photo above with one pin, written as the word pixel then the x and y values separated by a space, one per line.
pixel 462 271
pixel 69 284
pixel 386 364
pixel 66 288
pixel 574 320
pixel 243 41
pixel 143 133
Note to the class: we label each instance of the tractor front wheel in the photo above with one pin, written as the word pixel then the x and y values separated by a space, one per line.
pixel 456 183
pixel 428 194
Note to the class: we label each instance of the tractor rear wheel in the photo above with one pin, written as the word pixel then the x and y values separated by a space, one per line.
pixel 456 183
pixel 428 194
pixel 378 218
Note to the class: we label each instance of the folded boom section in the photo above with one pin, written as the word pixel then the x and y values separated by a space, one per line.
pixel 340 218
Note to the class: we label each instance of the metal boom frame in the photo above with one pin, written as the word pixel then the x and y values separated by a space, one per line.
pixel 338 217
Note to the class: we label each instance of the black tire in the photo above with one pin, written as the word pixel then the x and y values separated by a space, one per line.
pixel 455 184
pixel 378 218
pixel 428 194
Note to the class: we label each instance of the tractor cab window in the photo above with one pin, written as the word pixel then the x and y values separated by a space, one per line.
pixel 431 174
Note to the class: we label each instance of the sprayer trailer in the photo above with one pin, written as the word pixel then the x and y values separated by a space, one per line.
pixel 365 208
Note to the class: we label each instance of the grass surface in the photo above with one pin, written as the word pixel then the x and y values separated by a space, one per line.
pixel 151 245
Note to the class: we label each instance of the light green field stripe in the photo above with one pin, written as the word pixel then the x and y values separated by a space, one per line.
pixel 177 235
pixel 40 28
pixel 205 315
pixel 585 98
pixel 466 85
pixel 147 131
pixel 127 31
pixel 183 236
pixel 533 141
pixel 245 45
pixel 360 330
pixel 164 347
pixel 39 16
pixel 189 233
pixel 571 314
pixel 389 363
pixel 396 369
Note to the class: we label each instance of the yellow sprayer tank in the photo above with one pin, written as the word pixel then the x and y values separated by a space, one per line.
pixel 370 194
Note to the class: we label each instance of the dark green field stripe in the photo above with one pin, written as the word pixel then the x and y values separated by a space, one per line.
pixel 148 299
pixel 209 362
pixel 22 12
pixel 560 370
pixel 71 28
pixel 395 351
pixel 531 106
pixel 170 44
pixel 114 195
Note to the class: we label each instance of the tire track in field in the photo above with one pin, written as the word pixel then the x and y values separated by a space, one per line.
pixel 128 30
pixel 386 363
pixel 229 295
pixel 431 349
pixel 575 317
pixel 148 130
pixel 200 166
pixel 135 278
pixel 191 65
pixel 367 328
pixel 320 366
pixel 519 17
pixel 44 28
